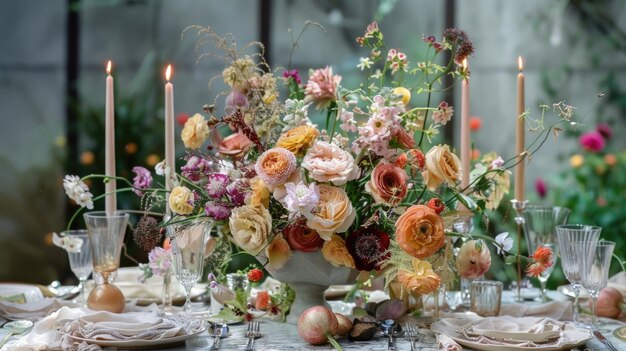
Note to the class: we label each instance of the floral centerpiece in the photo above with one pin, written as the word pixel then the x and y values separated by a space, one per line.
pixel 364 190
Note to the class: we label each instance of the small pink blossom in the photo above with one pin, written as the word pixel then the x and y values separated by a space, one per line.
pixel 541 187
pixel 160 260
pixel 443 114
pixel 497 163
pixel 322 87
pixel 592 141
pixel 142 180
pixel 301 198
pixel 348 123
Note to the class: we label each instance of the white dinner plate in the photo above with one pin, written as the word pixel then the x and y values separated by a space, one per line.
pixel 141 344
pixel 452 327
pixel 31 292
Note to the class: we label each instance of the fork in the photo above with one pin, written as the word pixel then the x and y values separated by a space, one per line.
pixel 411 334
pixel 252 332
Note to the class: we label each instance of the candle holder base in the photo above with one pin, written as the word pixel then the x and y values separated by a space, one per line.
pixel 519 206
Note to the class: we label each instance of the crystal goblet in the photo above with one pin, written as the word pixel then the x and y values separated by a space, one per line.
pixel 189 239
pixel 595 260
pixel 81 263
pixel 567 235
pixel 539 229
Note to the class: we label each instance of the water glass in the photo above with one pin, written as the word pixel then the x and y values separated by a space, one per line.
pixel 567 235
pixel 595 263
pixel 81 263
pixel 486 297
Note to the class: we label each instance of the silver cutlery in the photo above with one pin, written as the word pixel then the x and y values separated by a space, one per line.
pixel 390 329
pixel 411 334
pixel 253 332
pixel 218 331
pixel 604 340
pixel 15 328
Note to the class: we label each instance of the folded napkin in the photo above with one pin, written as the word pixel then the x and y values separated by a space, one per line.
pixel 32 310
pixel 136 322
pixel 557 310
pixel 506 327
pixel 618 282
pixel 445 343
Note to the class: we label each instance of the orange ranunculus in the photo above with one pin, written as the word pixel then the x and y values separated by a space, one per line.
pixel 442 166
pixel 542 260
pixel 275 165
pixel 388 184
pixel 421 280
pixel 473 260
pixel 419 231
pixel 298 139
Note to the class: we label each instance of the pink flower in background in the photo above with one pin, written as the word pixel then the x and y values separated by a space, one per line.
pixel 592 141
pixel 293 74
pixel 235 100
pixel 604 130
pixel 443 114
pixel 541 187
pixel 322 87
pixel 160 260
pixel 142 180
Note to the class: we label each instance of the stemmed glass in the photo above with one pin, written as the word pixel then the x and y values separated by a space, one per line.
pixel 567 235
pixel 80 257
pixel 539 223
pixel 545 274
pixel 595 263
pixel 189 240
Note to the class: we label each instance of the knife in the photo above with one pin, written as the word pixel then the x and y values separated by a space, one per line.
pixel 603 340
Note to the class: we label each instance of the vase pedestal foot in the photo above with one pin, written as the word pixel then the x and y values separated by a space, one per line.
pixel 307 295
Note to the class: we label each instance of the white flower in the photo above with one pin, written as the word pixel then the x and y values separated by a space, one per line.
pixel 159 169
pixel 301 198
pixel 68 243
pixel 506 243
pixel 364 62
pixel 78 191
pixel 296 114
pixel 497 163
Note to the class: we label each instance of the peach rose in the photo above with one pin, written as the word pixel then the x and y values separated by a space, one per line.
pixel 180 200
pixel 329 163
pixel 334 214
pixel 259 194
pixel 421 280
pixel 298 139
pixel 388 184
pixel 336 252
pixel 234 145
pixel 442 166
pixel 275 165
pixel 419 231
pixel 473 260
pixel 250 227
pixel 195 132
pixel 277 252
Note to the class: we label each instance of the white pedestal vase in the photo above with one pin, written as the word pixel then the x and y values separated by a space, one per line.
pixel 309 275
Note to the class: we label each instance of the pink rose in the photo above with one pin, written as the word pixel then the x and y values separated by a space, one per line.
pixel 329 163
pixel 388 184
pixel 473 260
pixel 234 145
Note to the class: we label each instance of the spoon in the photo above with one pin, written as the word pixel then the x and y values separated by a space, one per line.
pixel 218 331
pixel 15 328
pixel 390 329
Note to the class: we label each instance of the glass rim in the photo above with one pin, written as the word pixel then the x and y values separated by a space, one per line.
pixel 546 208
pixel 575 226
pixel 105 214
pixel 75 232
pixel 487 282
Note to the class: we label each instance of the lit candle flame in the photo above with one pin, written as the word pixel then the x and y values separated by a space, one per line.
pixel 464 64
pixel 520 64
pixel 109 67
pixel 168 72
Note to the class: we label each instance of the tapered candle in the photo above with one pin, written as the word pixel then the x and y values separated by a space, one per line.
pixel 519 169
pixel 109 150
pixel 465 130
pixel 170 162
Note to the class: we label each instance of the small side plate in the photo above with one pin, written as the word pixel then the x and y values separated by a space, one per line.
pixel 620 333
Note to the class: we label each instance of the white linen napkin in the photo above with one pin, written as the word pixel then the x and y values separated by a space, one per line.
pixel 32 310
pixel 557 310
pixel 527 328
pixel 445 343
pixel 136 322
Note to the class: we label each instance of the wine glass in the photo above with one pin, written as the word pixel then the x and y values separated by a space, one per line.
pixel 81 263
pixel 189 239
pixel 539 223
pixel 545 274
pixel 566 236
pixel 595 263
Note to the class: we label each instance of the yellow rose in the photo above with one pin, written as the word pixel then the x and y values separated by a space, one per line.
pixel 260 194
pixel 195 132
pixel 250 227
pixel 336 252
pixel 180 200
pixel 334 213
pixel 576 160
pixel 405 93
pixel 298 139
pixel 421 279
pixel 442 166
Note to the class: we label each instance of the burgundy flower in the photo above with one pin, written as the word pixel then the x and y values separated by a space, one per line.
pixel 369 247
pixel 216 185
pixel 302 238
pixel 216 210
pixel 235 193
pixel 460 40
pixel 604 130
pixel 142 180
pixel 293 74
pixel 592 141
pixel 541 187
pixel 196 168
